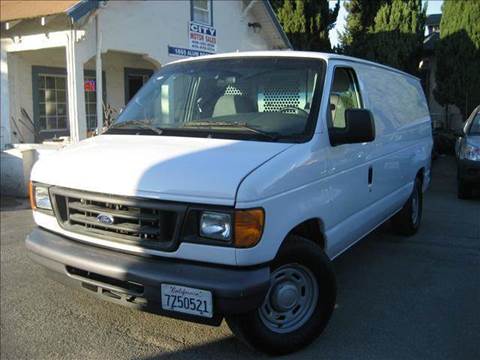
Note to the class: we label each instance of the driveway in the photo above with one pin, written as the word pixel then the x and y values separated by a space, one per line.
pixel 398 298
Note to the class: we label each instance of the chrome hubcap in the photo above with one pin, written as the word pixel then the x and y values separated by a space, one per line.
pixel 291 299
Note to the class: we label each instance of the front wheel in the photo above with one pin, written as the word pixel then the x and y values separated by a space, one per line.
pixel 298 304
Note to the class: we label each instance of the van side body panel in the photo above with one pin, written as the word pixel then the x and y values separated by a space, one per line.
pixel 316 180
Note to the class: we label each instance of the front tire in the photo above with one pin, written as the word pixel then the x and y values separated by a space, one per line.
pixel 298 305
pixel 407 221
pixel 464 191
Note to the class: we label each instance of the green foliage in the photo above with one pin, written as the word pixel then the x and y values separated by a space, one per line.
pixel 458 56
pixel 359 22
pixel 390 32
pixel 307 22
pixel 398 34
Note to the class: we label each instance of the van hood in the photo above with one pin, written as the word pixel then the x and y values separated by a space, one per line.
pixel 185 169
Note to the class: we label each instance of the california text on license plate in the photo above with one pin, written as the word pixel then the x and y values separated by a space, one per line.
pixel 187 300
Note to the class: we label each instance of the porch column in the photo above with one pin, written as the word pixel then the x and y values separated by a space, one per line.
pixel 99 79
pixel 5 131
pixel 75 89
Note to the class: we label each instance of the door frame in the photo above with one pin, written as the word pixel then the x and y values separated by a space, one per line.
pixel 127 71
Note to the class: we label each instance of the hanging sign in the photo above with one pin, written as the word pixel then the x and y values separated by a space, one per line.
pixel 89 85
pixel 202 37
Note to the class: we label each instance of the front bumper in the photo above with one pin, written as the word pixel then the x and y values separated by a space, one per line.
pixel 469 171
pixel 135 281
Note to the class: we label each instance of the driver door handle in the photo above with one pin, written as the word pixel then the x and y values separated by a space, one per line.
pixel 370 175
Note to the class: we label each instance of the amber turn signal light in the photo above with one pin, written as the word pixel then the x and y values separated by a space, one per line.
pixel 31 194
pixel 248 227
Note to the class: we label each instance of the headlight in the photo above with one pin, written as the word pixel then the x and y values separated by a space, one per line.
pixel 39 197
pixel 470 152
pixel 248 226
pixel 214 225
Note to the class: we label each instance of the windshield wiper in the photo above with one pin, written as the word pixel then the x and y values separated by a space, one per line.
pixel 137 125
pixel 223 124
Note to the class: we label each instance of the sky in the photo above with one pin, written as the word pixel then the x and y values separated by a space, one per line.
pixel 433 7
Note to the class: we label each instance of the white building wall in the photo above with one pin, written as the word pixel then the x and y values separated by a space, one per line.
pixel 123 28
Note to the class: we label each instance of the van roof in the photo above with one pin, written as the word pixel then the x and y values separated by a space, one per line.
pixel 291 53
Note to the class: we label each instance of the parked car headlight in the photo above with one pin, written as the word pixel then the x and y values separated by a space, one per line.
pixel 470 152
pixel 39 197
pixel 216 225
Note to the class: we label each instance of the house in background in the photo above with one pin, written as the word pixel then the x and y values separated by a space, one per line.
pixel 64 62
pixel 442 116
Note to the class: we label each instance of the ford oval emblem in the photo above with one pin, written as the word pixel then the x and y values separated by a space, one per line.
pixel 105 219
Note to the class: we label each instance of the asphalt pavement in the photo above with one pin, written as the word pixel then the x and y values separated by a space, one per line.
pixel 398 298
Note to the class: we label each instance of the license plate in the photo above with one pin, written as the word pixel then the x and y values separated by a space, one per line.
pixel 187 300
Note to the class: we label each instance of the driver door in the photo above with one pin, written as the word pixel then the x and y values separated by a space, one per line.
pixel 348 168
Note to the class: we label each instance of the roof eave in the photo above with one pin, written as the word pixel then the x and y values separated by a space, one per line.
pixel 79 10
pixel 275 21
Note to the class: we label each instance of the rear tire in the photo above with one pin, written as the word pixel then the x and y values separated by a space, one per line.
pixel 407 221
pixel 464 191
pixel 302 291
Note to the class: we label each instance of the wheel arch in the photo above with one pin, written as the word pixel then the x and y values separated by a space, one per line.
pixel 420 174
pixel 312 229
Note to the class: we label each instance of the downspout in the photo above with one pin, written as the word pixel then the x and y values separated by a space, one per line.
pixel 99 77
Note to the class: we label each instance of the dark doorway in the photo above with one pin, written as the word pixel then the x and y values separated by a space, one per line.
pixel 134 80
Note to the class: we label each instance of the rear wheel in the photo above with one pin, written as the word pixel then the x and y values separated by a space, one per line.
pixel 407 221
pixel 464 191
pixel 298 304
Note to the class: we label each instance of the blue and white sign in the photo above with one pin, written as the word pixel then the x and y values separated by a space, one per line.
pixel 177 51
pixel 202 37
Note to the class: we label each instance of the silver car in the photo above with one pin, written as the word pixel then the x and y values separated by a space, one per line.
pixel 467 150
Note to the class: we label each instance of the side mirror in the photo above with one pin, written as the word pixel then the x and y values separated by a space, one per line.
pixel 359 128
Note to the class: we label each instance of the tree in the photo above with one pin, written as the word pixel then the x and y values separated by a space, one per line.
pixel 458 56
pixel 307 22
pixel 360 21
pixel 392 36
pixel 398 34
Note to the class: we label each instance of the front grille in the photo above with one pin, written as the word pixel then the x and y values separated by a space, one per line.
pixel 148 223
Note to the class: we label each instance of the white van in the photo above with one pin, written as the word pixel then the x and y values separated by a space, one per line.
pixel 228 185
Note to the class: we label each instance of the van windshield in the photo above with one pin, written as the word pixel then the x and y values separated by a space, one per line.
pixel 267 99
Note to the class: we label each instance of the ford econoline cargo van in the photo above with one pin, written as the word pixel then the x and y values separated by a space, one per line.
pixel 228 185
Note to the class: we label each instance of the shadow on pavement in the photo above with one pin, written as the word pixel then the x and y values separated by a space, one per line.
pixel 9 203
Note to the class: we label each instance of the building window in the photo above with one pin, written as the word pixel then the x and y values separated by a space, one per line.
pixel 53 108
pixel 202 11
pixel 52 102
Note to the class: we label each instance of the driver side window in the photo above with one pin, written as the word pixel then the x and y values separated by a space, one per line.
pixel 344 95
